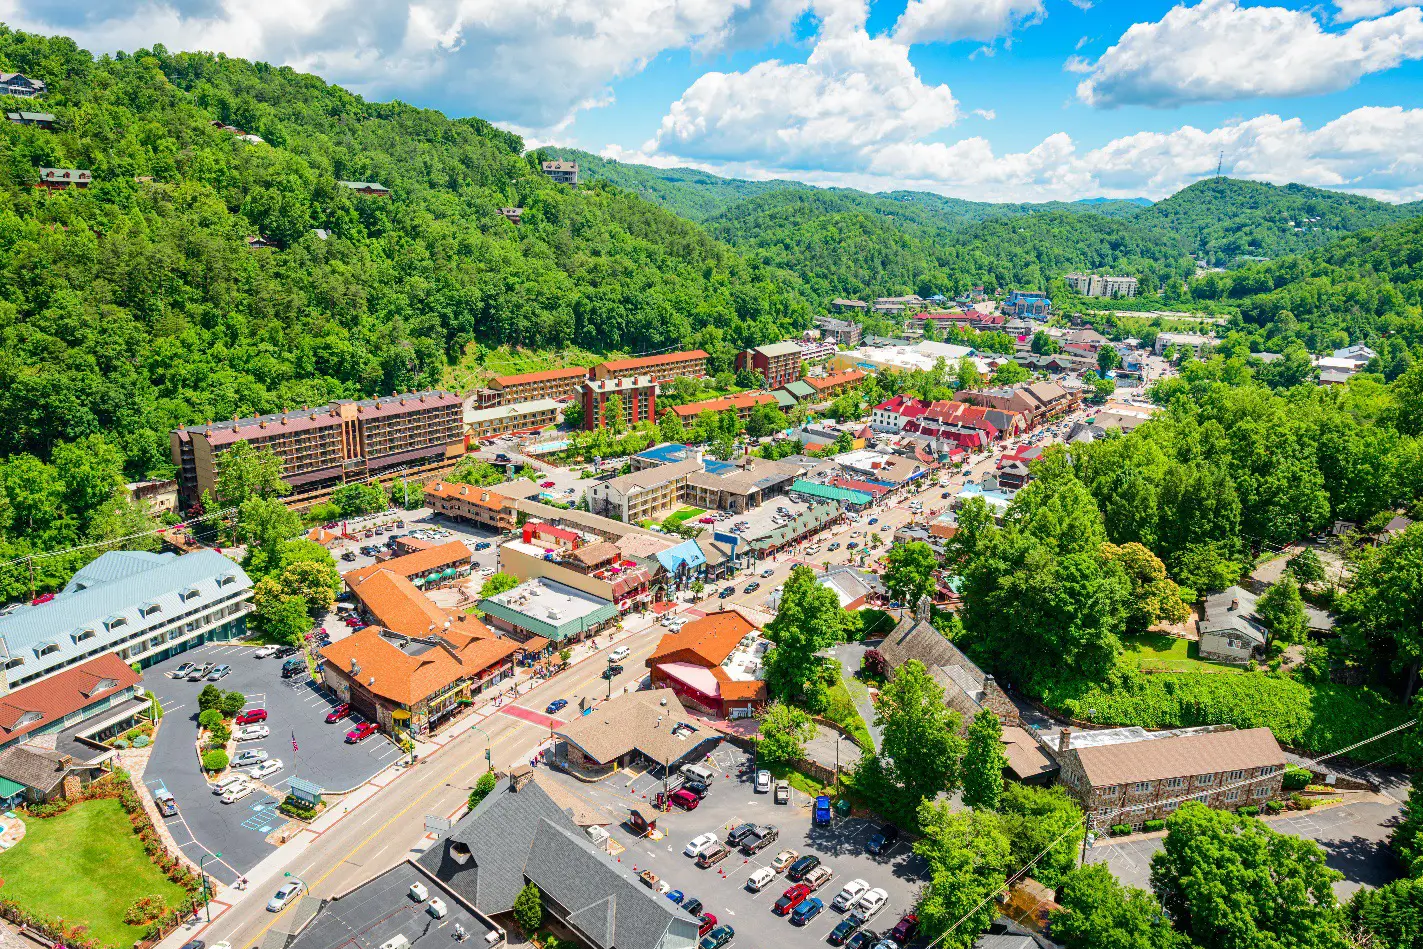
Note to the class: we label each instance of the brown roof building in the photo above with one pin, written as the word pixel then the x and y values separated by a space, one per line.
pixel 712 662
pixel 429 678
pixel 743 405
pixel 691 363
pixel 468 502
pixel 527 386
pixel 650 726
pixel 828 387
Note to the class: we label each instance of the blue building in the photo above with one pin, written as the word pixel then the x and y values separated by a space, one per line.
pixel 1028 303
pixel 145 607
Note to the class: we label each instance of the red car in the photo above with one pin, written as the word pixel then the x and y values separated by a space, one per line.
pixel 338 713
pixel 905 929
pixel 790 899
pixel 546 484
pixel 361 732
pixel 350 621
pixel 708 923
pixel 252 715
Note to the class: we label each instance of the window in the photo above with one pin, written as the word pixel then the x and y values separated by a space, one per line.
pixel 1110 790
pixel 44 649
pixel 1175 783
pixel 1234 775
pixel 15 663
pixel 84 634
pixel 1262 792
pixel 1232 795
pixel 1205 779
pixel 1141 787
pixel 1269 770
pixel 148 609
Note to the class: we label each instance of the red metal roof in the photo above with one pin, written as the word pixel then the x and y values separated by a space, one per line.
pixel 63 693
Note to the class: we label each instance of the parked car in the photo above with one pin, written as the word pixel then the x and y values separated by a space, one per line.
pixel 852 545
pixel 769 571
pixel 248 756
pixel 758 879
pixel 865 908
pixel 790 899
pixel 287 892
pixel 763 781
pixel 182 671
pixel 482 545
pixel 698 788
pixel 361 732
pixel 763 837
pixel 834 547
pixel 802 867
pixel 713 856
pixel 556 705
pixel 619 654
pixel 236 792
pixel 807 910
pixel 685 799
pixel 338 712
pixel 905 929
pixel 822 810
pixel 848 894
pixel 707 924
pixel 266 651
pixel 698 844
pixel 252 733
pixel 270 766
pixel 751 587
pixel 842 931
pixel 874 520
pixel 783 860
pixel 882 839
pixel 692 906
pixel 251 716
pixel 199 673
pixel 294 666
pixel 739 833
pixel 676 896
pixel 717 938
pixel 783 794
pixel 818 877
pixel 862 939
pixel 726 592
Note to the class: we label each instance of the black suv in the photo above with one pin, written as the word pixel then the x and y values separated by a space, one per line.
pixel 697 788
pixel 740 833
pixel 801 867
pixel 882 839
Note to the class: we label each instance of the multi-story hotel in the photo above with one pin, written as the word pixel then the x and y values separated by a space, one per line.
pixel 634 497
pixel 661 368
pixel 346 441
pixel 468 502
pixel 777 363
pixel 742 405
pixel 528 386
pixel 509 418
pixel 638 395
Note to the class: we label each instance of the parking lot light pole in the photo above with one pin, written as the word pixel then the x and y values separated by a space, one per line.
pixel 610 675
pixel 207 897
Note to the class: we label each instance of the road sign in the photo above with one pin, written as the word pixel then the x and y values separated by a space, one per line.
pixel 436 825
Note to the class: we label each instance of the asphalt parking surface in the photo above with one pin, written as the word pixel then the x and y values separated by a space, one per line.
pixel 722 889
pixel 296 709
pixel 1354 838
pixel 417 520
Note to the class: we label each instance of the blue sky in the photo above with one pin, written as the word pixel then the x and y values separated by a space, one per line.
pixel 990 99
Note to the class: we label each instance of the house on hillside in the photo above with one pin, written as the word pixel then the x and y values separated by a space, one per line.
pixel 1230 631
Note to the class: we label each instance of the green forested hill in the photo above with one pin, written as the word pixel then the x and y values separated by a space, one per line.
pixel 1223 219
pixel 136 305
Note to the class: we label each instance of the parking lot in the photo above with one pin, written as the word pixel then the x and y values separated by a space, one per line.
pixel 722 888
pixel 417 520
pixel 296 711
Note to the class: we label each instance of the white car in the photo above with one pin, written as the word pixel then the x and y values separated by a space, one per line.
pixel 289 891
pixel 237 792
pixel 763 782
pixel 700 844
pixel 252 732
pixel 849 893
pixel 871 903
pixel 619 654
pixel 757 881
pixel 270 766
pixel 266 651
pixel 248 756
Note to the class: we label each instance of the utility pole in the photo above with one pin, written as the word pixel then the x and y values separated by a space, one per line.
pixel 609 676
pixel 1220 162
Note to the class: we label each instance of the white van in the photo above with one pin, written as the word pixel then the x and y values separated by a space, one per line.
pixel 695 772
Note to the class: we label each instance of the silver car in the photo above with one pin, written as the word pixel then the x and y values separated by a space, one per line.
pixel 288 891
pixel 763 782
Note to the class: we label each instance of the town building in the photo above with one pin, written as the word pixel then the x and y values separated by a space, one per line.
pixel 547 610
pixel 909 304
pixel 42 120
pixel 638 395
pixel 816 350
pixel 1028 304
pixel 840 332
pixel 650 728
pixel 348 440
pixel 33 774
pixel 893 414
pixel 792 394
pixel 1130 776
pixel 512 215
pixel 1036 402
pixel 743 405
pixel 471 504
pixel 849 306
pixel 1099 285
pixel 388 599
pixel 640 495
pixel 691 363
pixel 563 172
pixel 521 834
pixel 835 384
pixel 967 688
pixel 1230 630
pixel 1194 342
pixel 893 471
pixel 598 568
pixel 777 363
pixel 62 179
pixel 713 663
pixel 900 356
pixel 771 540
pixel 75 709
pixel 416 684
pixel 510 418
pixel 424 568
pixel 20 86
pixel 369 189
pixel 740 486
pixel 556 384
pixel 159 495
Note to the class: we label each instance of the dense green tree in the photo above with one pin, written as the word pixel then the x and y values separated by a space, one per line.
pixel 497 583
pixel 1098 912
pixel 1306 567
pixel 764 420
pixel 1009 374
pixel 247 473
pixel 1154 598
pixel 983 761
pixel 1406 839
pixel 1042 824
pixel 911 572
pixel 1044 345
pixel 354 500
pixel 784 731
pixel 1383 606
pixel 808 619
pixel 529 909
pixel 920 747
pixel 1230 881
pixel 1108 359
pixel 1281 611
pixel 482 789
pixel 1390 917
pixel 966 857
pixel 264 525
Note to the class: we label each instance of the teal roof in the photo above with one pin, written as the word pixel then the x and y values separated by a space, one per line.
pixel 803 523
pixel 9 789
pixel 800 389
pixel 783 399
pixel 601 613
pixel 830 493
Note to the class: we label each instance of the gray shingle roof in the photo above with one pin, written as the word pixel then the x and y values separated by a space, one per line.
pixel 1233 611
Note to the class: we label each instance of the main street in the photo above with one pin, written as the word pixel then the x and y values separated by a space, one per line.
pixel 390 826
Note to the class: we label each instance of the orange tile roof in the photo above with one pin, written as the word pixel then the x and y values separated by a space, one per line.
pixel 705 641
pixel 63 693
pixel 387 671
pixel 398 605
pixel 738 690
pixel 467 492
pixel 847 377
pixel 421 561
pixel 693 409
pixel 648 362
pixel 565 373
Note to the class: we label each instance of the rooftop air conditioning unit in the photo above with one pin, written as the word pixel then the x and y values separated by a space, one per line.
pixel 418 892
pixel 437 908
pixel 396 942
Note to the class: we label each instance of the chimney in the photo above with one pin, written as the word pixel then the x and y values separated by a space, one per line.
pixel 355 667
pixel 1064 741
pixel 65 761
pixel 520 775
pixel 1234 603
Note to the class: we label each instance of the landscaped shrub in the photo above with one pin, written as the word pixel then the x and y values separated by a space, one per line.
pixel 210 718
pixel 1121 830
pixel 232 703
pixel 874 667
pixel 142 741
pixel 294 808
pixel 1274 807
pixel 1297 779
pixel 1154 825
pixel 120 744
pixel 1249 810
pixel 214 760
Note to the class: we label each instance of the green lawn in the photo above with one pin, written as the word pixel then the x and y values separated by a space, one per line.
pixel 85 865
pixel 685 514
pixel 1158 651
pixel 841 710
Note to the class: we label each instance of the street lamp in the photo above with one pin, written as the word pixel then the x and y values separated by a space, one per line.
pixel 488 744
pixel 609 676
pixel 207 906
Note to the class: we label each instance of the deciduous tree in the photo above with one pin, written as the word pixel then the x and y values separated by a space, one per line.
pixel 966 857
pixel 984 761
pixel 910 572
pixel 784 732
pixel 1098 912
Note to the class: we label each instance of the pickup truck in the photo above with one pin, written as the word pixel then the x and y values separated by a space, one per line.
pixel 763 836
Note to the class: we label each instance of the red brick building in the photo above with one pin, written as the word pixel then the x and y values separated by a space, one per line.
pixel 638 394
pixel 777 363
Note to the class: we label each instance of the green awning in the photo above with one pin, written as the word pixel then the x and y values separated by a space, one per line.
pixel 418 581
pixel 9 789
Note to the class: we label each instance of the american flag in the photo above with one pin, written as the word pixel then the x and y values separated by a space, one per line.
pixel 294 748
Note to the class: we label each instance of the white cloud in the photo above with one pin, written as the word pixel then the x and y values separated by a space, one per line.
pixel 1218 50
pixel 925 21
pixel 988 115
pixel 530 63
pixel 1362 9
pixel 853 93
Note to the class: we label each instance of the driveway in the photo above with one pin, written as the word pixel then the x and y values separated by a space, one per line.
pixel 1354 838
pixel 296 711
